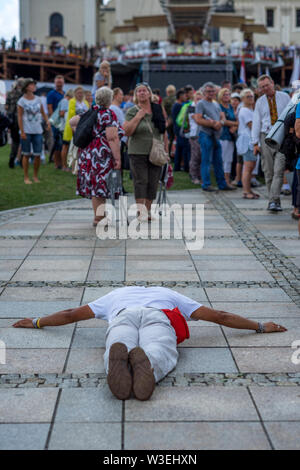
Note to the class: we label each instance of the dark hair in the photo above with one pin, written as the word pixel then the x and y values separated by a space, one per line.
pixel 225 82
pixel 180 93
pixel 238 86
pixel 188 88
pixel 156 91
pixel 158 117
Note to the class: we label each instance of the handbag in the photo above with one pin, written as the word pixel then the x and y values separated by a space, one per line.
pixel 158 156
pixel 73 158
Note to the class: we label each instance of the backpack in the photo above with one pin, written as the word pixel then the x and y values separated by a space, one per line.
pixel 291 144
pixel 84 132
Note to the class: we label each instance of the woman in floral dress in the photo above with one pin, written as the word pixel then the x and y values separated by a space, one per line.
pixel 101 156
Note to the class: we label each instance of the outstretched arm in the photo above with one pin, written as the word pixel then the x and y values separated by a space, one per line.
pixel 61 318
pixel 233 321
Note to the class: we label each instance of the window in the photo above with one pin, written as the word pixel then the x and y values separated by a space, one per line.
pixel 56 25
pixel 297 17
pixel 270 18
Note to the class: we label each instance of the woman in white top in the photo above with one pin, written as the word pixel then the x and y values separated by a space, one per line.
pixel 30 114
pixel 244 131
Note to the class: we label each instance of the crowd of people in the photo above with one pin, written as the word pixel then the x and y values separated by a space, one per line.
pixel 146 48
pixel 223 126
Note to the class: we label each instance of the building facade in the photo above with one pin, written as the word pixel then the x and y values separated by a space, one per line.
pixel 125 21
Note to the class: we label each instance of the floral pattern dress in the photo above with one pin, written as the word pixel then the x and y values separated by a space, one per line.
pixel 96 160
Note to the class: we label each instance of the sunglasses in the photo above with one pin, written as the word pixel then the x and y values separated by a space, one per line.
pixel 142 84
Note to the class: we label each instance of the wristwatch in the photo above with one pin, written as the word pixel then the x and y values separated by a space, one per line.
pixel 261 328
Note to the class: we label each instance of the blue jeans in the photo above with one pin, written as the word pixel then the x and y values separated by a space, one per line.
pixel 182 150
pixel 36 140
pixel 211 154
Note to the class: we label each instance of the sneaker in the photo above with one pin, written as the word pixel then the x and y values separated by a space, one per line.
pixel 143 377
pixel 272 207
pixel 209 189
pixel 119 378
pixel 196 181
pixel 278 207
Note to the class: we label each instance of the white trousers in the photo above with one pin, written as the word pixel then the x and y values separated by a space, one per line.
pixel 150 329
pixel 227 154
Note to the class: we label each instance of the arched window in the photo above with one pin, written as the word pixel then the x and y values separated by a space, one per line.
pixel 56 25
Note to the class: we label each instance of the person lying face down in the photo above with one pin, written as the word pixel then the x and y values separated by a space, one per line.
pixel 145 324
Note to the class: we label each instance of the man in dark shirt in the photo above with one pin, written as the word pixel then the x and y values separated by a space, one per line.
pixel 167 104
pixel 182 144
pixel 53 98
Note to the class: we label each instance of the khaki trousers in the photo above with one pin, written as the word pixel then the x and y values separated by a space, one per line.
pixel 273 165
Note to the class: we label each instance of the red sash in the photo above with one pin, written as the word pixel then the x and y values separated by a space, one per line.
pixel 179 324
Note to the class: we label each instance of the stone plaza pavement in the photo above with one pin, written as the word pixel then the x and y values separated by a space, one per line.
pixel 231 389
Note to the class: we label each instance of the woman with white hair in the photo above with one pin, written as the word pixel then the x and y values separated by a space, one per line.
pixel 244 144
pixel 101 156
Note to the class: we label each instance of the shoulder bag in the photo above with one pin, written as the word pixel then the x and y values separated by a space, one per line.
pixel 158 156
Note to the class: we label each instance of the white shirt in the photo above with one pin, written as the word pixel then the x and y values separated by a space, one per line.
pixel 107 307
pixel 245 116
pixel 262 118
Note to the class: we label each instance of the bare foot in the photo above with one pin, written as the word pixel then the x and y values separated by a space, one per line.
pixel 27 181
pixel 36 180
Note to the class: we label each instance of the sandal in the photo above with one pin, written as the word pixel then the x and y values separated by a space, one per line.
pixel 256 196
pixel 249 196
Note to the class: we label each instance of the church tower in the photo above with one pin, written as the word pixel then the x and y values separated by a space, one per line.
pixel 60 20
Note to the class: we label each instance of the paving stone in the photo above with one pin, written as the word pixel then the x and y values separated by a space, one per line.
pixel 31 275
pixel 284 435
pixel 81 360
pixel 50 338
pixel 234 275
pixel 259 309
pixel 86 436
pixel 33 309
pixel 264 359
pixel 246 338
pixel 88 406
pixel 34 361
pixel 278 403
pixel 42 294
pixel 28 412
pixel 195 436
pixel 204 336
pixel 89 338
pixel 247 295
pixel 23 436
pixel 190 404
pixel 194 360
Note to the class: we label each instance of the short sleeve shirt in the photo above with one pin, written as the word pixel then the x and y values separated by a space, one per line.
pixel 54 97
pixel 211 110
pixel 108 306
pixel 245 116
pixel 32 117
pixel 140 143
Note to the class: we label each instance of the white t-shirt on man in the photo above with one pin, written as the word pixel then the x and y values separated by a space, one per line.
pixel 108 306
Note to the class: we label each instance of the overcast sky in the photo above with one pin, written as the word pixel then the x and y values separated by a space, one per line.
pixel 9 18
